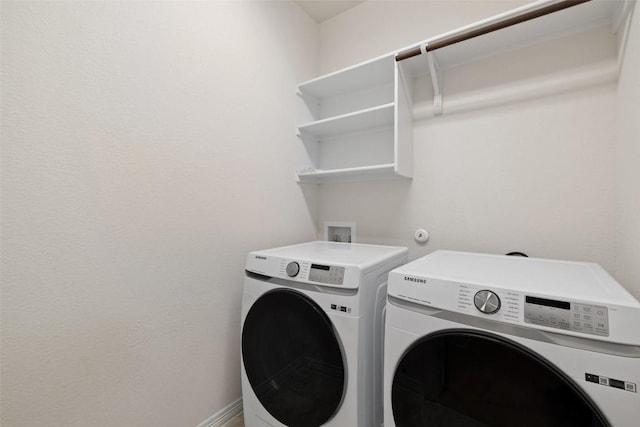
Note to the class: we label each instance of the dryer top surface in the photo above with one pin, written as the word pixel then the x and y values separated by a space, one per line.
pixel 554 278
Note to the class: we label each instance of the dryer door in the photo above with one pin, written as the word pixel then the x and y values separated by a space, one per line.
pixel 293 358
pixel 466 378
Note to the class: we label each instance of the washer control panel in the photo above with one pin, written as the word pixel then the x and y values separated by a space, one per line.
pixel 329 274
pixel 319 273
pixel 585 318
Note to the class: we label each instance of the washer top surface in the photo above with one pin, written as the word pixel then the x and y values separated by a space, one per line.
pixel 356 255
pixel 553 278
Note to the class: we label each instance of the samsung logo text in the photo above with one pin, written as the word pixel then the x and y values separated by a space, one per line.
pixel 414 280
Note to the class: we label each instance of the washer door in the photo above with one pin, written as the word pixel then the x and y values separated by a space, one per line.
pixel 466 378
pixel 293 359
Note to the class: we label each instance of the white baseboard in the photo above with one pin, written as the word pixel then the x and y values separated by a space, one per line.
pixel 224 415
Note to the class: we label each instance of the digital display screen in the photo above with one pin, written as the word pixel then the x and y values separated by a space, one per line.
pixel 548 302
pixel 320 267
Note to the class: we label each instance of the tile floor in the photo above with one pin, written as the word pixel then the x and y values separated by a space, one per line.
pixel 236 422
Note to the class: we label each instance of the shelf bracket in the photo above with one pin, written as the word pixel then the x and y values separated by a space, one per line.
pixel 436 78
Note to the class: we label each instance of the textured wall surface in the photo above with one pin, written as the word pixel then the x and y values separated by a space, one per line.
pixel 628 159
pixel 146 148
pixel 534 173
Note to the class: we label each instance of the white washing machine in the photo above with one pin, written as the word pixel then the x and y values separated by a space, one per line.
pixel 312 334
pixel 492 340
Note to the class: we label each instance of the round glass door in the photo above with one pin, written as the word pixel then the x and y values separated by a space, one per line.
pixel 465 378
pixel 293 359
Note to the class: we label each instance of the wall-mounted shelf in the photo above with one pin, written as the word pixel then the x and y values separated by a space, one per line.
pixel 370 74
pixel 351 124
pixel 380 116
pixel 358 122
pixel 345 174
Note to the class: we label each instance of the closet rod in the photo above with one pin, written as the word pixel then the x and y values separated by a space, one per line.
pixel 488 28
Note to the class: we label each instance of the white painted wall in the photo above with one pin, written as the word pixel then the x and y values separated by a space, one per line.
pixel 381 26
pixel 146 148
pixel 628 159
pixel 535 175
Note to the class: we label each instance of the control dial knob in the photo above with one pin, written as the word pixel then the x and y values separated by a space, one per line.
pixel 293 268
pixel 486 301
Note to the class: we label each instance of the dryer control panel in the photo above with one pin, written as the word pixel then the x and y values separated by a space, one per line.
pixel 585 318
pixel 569 298
pixel 510 306
pixel 504 305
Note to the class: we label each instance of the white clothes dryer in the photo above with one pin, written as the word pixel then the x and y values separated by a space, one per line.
pixel 493 340
pixel 312 334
